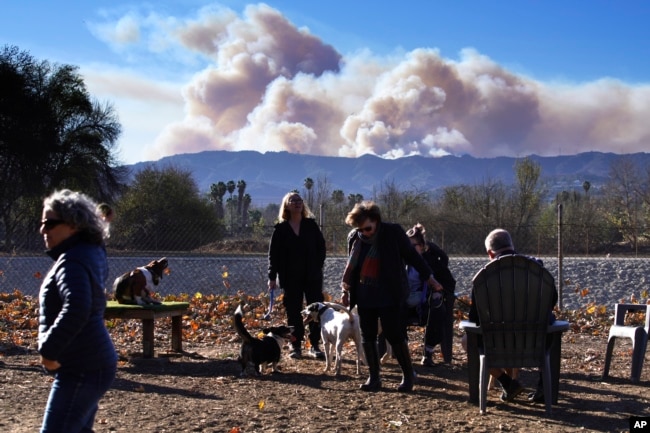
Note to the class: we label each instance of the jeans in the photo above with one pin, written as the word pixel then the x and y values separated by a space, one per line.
pixel 74 400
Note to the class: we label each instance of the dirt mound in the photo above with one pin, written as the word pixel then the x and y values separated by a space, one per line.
pixel 235 246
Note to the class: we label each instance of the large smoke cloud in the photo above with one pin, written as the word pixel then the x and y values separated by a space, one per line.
pixel 271 86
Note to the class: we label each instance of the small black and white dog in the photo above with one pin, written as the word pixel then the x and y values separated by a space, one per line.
pixel 261 352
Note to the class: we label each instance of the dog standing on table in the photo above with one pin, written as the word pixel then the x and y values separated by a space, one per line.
pixel 261 352
pixel 337 325
pixel 137 286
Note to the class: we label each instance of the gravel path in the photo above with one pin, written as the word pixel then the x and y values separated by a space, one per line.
pixel 608 280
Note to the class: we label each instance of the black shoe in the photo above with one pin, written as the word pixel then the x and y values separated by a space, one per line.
pixel 513 391
pixel 295 352
pixel 407 385
pixel 536 397
pixel 316 353
pixel 427 360
pixel 371 385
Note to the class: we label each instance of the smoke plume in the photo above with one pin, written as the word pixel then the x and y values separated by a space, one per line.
pixel 270 86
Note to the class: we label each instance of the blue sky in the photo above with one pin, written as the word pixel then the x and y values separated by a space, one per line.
pixel 346 78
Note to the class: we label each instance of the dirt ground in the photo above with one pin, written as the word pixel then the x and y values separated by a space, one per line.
pixel 201 391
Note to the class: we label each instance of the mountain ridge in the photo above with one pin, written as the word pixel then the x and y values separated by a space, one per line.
pixel 270 175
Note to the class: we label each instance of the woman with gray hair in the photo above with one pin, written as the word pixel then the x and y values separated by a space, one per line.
pixel 73 341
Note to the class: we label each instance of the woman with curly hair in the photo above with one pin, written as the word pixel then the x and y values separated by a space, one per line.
pixel 73 342
pixel 375 280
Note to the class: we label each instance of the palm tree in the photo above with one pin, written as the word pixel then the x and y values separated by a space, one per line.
pixel 230 186
pixel 217 191
pixel 241 188
pixel 309 183
pixel 354 199
pixel 338 196
pixel 246 202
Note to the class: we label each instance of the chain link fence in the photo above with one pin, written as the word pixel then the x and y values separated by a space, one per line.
pixel 457 238
pixel 237 262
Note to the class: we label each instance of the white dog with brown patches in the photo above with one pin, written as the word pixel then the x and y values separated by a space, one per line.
pixel 337 325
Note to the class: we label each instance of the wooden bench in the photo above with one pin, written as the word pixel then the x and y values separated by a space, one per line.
pixel 147 314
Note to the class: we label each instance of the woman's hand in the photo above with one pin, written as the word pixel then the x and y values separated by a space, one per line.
pixel 433 283
pixel 345 295
pixel 345 298
pixel 50 364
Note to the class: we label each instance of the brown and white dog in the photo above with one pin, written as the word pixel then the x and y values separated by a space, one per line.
pixel 337 325
pixel 137 286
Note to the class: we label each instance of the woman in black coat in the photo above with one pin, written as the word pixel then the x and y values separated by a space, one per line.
pixel 375 281
pixel 440 317
pixel 296 258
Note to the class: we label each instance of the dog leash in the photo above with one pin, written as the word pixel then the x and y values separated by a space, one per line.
pixel 267 316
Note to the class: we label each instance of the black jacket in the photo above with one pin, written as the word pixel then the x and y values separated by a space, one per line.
pixel 296 259
pixel 438 261
pixel 395 252
pixel 72 303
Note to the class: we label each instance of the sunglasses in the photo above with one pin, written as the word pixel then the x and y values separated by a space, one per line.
pixel 49 223
pixel 295 201
pixel 365 229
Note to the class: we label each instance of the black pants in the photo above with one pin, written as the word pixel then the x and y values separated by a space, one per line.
pixel 393 324
pixel 440 325
pixel 434 331
pixel 311 291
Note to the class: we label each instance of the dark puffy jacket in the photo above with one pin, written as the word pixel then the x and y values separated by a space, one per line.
pixel 72 303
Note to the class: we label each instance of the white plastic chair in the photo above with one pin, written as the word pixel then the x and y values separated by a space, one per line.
pixel 638 335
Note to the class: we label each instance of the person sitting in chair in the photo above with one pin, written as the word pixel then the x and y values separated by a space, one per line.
pixel 499 243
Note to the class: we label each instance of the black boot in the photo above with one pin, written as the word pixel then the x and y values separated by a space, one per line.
pixel 381 345
pixel 401 352
pixel 372 358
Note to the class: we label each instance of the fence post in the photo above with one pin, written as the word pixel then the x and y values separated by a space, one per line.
pixel 320 215
pixel 559 255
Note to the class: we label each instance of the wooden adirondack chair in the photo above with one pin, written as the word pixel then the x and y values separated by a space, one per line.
pixel 514 297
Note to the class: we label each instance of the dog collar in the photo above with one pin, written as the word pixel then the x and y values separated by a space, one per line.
pixel 322 310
